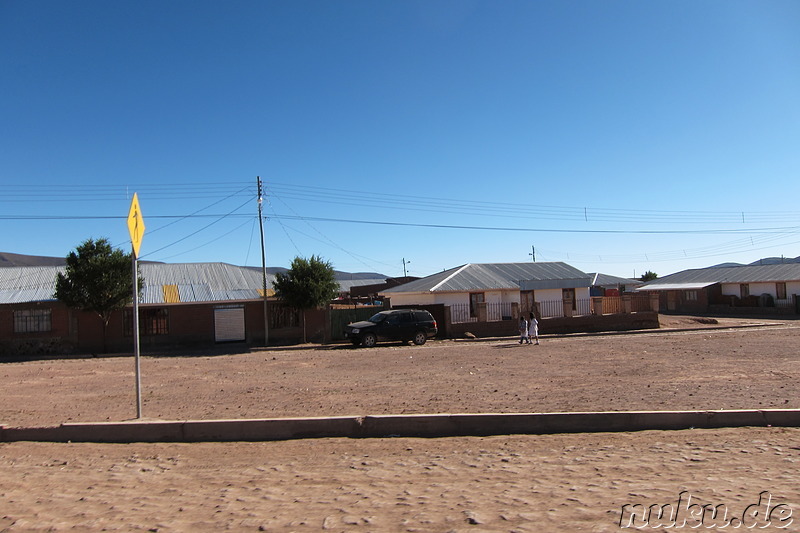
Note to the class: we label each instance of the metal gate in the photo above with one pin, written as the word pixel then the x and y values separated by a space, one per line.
pixel 229 324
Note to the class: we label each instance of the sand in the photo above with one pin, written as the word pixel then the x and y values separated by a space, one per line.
pixel 578 482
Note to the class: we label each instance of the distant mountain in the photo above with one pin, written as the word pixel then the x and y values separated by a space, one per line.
pixel 340 275
pixel 760 262
pixel 775 261
pixel 726 265
pixel 18 260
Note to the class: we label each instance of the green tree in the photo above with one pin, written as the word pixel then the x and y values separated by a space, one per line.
pixel 308 284
pixel 648 276
pixel 97 279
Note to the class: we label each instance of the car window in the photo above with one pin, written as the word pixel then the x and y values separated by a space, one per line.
pixel 377 318
pixel 406 317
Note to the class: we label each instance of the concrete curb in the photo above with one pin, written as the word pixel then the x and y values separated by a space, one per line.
pixel 422 425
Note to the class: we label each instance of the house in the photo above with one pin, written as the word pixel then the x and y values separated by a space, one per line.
pixel 501 288
pixel 180 304
pixel 487 299
pixel 771 288
pixel 607 285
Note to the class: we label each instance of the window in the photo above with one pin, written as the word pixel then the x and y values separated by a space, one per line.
pixel 281 316
pixel 744 290
pixel 691 296
pixel 32 321
pixel 780 290
pixel 151 321
pixel 475 298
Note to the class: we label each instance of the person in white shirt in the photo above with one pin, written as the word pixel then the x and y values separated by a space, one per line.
pixel 523 331
pixel 533 329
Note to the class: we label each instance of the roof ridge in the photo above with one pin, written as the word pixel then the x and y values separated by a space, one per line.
pixel 448 278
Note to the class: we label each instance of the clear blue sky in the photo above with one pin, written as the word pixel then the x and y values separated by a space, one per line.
pixel 618 136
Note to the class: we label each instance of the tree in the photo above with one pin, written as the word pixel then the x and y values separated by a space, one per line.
pixel 97 279
pixel 648 276
pixel 308 284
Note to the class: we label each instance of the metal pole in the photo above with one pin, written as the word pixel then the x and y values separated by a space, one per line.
pixel 136 337
pixel 263 263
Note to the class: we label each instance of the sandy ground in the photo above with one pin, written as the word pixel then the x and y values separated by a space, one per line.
pixel 506 483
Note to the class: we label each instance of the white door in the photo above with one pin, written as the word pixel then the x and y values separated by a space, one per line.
pixel 229 324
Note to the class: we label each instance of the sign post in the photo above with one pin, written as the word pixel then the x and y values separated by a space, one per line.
pixel 136 230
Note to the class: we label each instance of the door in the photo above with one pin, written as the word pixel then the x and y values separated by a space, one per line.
pixel 568 295
pixel 229 324
pixel 672 300
pixel 526 303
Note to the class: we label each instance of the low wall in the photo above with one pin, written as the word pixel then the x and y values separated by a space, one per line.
pixel 560 325
pixel 728 310
pixel 421 425
pixel 503 328
pixel 598 323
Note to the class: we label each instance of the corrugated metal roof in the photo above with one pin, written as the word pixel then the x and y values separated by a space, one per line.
pixel 195 282
pixel 605 280
pixel 492 276
pixel 346 284
pixel 28 284
pixel 675 286
pixel 737 274
pixel 542 284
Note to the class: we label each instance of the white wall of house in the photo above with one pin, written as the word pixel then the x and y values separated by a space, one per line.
pixel 730 289
pixel 490 296
pixel 411 298
pixel 547 295
pixel 757 289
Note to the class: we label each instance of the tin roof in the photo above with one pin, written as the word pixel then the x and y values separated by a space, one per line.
pixel 163 283
pixel 489 276
pixel 735 274
pixel 607 280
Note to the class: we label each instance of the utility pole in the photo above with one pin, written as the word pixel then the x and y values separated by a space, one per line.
pixel 405 273
pixel 533 253
pixel 263 262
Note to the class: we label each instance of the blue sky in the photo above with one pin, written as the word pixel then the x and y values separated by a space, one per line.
pixel 618 136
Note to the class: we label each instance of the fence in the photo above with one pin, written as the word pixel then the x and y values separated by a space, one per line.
pixel 342 316
pixel 551 308
pixel 495 312
pixel 460 314
pixel 612 305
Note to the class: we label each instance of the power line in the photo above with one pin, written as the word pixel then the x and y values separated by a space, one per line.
pixel 767 230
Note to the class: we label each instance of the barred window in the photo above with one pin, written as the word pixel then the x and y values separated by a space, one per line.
pixel 780 290
pixel 281 316
pixel 151 321
pixel 32 321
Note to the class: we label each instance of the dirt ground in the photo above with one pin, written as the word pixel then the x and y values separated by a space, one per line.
pixel 505 483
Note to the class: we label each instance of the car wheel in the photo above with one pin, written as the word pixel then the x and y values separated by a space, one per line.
pixel 369 340
pixel 419 338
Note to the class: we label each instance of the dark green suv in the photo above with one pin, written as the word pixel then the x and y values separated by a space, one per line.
pixel 397 324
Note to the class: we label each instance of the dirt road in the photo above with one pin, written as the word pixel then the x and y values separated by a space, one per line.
pixel 505 483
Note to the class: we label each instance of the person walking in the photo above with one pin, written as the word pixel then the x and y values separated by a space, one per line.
pixel 523 331
pixel 533 329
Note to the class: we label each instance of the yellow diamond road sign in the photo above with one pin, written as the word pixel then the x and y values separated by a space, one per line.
pixel 135 225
